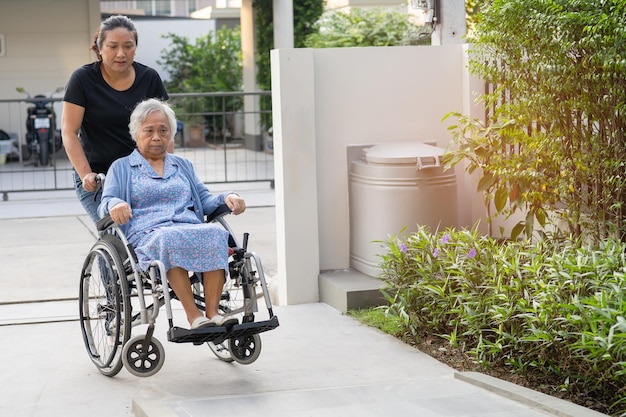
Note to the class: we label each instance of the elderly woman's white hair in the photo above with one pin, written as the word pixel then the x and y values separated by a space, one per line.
pixel 147 107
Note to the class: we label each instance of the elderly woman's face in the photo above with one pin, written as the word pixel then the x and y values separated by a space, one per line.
pixel 154 135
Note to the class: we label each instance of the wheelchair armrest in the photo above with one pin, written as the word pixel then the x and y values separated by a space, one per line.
pixel 104 223
pixel 220 211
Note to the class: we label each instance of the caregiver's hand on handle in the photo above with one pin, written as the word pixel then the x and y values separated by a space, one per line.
pixel 90 182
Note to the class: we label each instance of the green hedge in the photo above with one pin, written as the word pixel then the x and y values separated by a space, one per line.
pixel 554 141
pixel 554 311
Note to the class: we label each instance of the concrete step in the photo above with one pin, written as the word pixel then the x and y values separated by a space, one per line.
pixel 348 289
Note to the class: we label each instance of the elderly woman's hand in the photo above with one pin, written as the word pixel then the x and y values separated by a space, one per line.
pixel 121 213
pixel 235 203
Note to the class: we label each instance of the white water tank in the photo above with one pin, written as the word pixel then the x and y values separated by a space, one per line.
pixel 394 186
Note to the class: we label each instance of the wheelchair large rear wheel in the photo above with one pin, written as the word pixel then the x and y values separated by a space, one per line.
pixel 239 297
pixel 105 313
pixel 232 305
pixel 220 350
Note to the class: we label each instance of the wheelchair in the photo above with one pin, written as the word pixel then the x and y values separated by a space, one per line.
pixel 115 296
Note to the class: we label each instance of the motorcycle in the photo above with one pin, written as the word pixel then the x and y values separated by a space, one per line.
pixel 42 137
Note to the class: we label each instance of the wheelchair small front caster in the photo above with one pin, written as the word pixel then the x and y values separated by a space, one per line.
pixel 143 361
pixel 245 349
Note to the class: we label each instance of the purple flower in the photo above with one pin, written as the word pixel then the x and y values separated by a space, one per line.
pixel 445 238
pixel 471 253
pixel 436 252
pixel 403 248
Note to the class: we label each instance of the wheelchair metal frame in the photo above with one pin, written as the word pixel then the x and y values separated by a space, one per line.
pixel 111 280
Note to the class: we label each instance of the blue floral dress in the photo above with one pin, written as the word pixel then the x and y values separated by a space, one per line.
pixel 164 227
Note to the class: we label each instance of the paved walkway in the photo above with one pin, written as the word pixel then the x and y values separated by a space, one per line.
pixel 317 363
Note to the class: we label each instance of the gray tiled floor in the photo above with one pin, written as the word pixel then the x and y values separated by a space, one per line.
pixel 417 398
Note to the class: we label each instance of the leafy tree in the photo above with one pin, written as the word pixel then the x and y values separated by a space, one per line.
pixel 264 42
pixel 305 14
pixel 554 142
pixel 472 11
pixel 364 27
pixel 208 64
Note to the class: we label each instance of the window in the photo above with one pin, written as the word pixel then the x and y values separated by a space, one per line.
pixel 155 7
pixel 192 6
pixel 2 47
pixel 145 5
pixel 163 8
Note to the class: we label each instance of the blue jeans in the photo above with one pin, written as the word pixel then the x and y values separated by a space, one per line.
pixel 90 202
pixel 88 199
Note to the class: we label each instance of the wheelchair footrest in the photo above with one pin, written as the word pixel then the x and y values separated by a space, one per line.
pixel 219 334
pixel 196 336
pixel 253 327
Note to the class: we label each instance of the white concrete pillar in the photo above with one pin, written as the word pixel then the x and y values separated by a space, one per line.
pixel 283 24
pixel 451 30
pixel 94 19
pixel 246 20
pixel 251 106
pixel 295 167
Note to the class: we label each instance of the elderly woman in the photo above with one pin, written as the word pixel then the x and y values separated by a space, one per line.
pixel 161 203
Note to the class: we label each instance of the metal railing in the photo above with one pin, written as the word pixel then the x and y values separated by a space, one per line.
pixel 220 133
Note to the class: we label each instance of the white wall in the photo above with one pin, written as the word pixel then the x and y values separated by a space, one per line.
pixel 151 41
pixel 45 42
pixel 327 99
pixel 341 4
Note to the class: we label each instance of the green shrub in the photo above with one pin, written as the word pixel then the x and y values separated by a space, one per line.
pixel 207 64
pixel 553 140
pixel 365 27
pixel 553 311
pixel 305 13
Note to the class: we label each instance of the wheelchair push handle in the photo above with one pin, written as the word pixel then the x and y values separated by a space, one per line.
pixel 100 182
pixel 245 241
